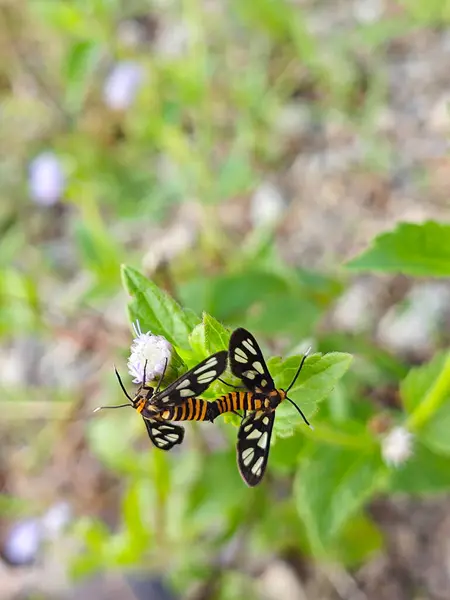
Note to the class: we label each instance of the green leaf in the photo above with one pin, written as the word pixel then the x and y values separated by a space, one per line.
pixel 135 515
pixel 317 379
pixel 426 396
pixel 233 294
pixel 197 342
pixel 418 250
pixel 156 310
pixel 424 473
pixel 283 313
pixel 81 60
pixel 217 336
pixel 359 540
pixel 331 486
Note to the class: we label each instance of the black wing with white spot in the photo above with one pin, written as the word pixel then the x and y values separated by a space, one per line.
pixel 253 445
pixel 247 361
pixel 193 383
pixel 164 434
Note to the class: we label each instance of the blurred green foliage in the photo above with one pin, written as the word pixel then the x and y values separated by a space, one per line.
pixel 205 117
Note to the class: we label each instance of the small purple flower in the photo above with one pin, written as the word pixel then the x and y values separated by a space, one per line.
pixel 122 85
pixel 22 542
pixel 150 352
pixel 46 179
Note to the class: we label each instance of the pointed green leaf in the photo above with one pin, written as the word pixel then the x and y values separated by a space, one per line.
pixel 412 249
pixel 156 310
pixel 331 486
pixel 217 336
pixel 317 379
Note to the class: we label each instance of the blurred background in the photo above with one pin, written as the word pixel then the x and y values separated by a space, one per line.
pixel 237 152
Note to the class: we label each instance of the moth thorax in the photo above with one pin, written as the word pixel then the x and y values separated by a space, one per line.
pixel 139 403
pixel 275 397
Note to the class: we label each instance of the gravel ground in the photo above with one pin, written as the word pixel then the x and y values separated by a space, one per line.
pixel 330 204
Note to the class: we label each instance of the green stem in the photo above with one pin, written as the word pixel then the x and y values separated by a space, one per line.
pixel 435 397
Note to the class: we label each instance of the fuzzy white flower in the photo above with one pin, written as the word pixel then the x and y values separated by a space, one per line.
pixel 150 352
pixel 122 85
pixel 396 446
pixel 46 179
pixel 55 519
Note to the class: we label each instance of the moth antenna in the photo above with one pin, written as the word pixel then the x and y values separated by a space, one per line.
pixel 301 413
pixel 299 369
pixel 116 406
pixel 161 378
pixel 122 386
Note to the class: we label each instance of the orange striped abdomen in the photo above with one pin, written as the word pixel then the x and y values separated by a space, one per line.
pixel 194 409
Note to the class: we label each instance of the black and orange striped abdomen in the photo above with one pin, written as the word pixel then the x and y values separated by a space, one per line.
pixel 194 409
pixel 234 401
pixel 247 401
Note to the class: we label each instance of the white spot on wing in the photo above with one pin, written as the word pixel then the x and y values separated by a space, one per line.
pixel 256 469
pixel 249 345
pixel 250 374
pixel 183 384
pixel 208 364
pixel 265 421
pixel 238 358
pixel 186 393
pixel 254 434
pixel 247 456
pixel 264 382
pixel 262 442
pixel 205 377
pixel 258 366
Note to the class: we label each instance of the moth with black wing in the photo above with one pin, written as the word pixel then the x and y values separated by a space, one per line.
pixel 177 402
pixel 261 399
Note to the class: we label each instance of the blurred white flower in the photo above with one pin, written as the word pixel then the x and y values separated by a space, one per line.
pixel 22 542
pixel 267 205
pixel 46 179
pixel 150 352
pixel 55 519
pixel 122 85
pixel 173 40
pixel 396 446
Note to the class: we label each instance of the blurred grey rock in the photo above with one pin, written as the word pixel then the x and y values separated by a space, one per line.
pixel 414 327
pixel 356 310
pixel 279 581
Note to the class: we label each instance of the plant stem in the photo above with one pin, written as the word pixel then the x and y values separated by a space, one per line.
pixel 435 397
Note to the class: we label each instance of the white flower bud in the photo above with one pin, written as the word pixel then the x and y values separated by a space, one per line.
pixel 396 446
pixel 150 352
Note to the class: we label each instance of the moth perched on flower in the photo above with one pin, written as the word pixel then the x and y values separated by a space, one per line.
pixel 178 401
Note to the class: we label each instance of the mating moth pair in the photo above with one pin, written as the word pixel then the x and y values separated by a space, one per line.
pixel 258 399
